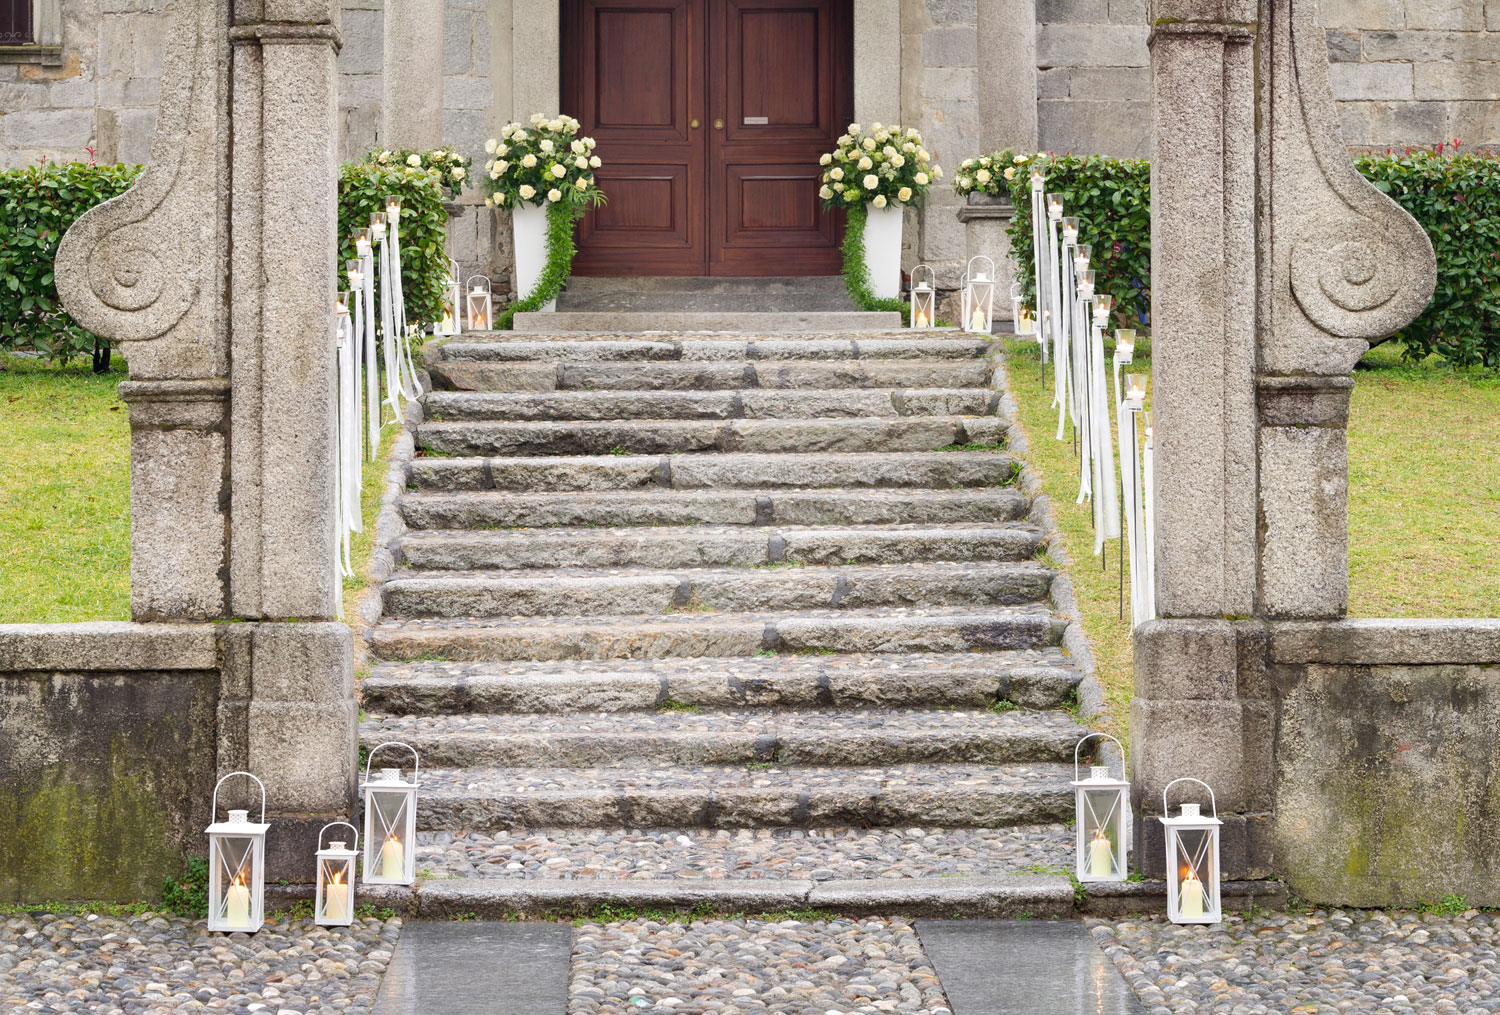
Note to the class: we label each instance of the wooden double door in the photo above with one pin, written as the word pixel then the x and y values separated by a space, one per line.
pixel 710 116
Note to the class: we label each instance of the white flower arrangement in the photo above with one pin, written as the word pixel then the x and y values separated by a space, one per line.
pixel 989 174
pixel 885 166
pixel 546 163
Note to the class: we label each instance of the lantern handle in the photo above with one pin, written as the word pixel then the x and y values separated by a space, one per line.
pixel 416 762
pixel 931 276
pixel 969 267
pixel 346 825
pixel 1015 290
pixel 1078 748
pixel 1212 802
pixel 488 286
pixel 247 775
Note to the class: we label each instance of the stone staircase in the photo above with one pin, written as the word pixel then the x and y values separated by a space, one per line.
pixel 757 620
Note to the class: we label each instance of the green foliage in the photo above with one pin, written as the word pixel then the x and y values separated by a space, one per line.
pixel 1112 200
pixel 1456 198
pixel 989 174
pixel 188 895
pixel 363 189
pixel 40 202
pixel 558 266
pixel 857 272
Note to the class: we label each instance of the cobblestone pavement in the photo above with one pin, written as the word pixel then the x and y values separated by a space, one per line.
pixel 740 967
pixel 155 965
pixel 698 853
pixel 1372 963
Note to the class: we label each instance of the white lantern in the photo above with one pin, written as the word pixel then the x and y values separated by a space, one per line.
pixel 362 242
pixel 1069 228
pixel 333 906
pixel 356 270
pixel 1104 305
pixel 923 298
pixel 393 210
pixel 978 300
pixel 481 305
pixel 391 822
pixel 237 866
pixel 377 226
pixel 1124 346
pixel 1082 254
pixel 1021 314
pixel 1192 860
pixel 1055 208
pixel 1135 392
pixel 1103 811
pixel 1085 281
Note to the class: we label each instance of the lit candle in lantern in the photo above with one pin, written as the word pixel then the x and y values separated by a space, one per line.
pixel 362 243
pixel 922 321
pixel 336 905
pixel 377 225
pixel 237 905
pixel 1024 322
pixel 1191 896
pixel 392 860
pixel 1101 854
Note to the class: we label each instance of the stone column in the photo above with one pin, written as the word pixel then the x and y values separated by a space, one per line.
pixel 1007 75
pixel 1265 287
pixel 411 111
pixel 217 275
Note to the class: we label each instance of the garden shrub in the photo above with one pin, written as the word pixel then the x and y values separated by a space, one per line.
pixel 363 188
pixel 40 202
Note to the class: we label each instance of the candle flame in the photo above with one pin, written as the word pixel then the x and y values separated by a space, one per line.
pixel 1099 835
pixel 338 877
pixel 393 838
pixel 239 881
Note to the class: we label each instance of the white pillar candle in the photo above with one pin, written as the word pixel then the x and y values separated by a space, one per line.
pixel 976 321
pixel 336 899
pixel 237 912
pixel 1191 896
pixel 392 860
pixel 1101 855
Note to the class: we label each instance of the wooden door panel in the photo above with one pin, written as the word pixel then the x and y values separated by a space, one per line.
pixel 780 78
pixel 636 86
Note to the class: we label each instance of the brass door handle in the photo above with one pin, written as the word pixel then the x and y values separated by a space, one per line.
pixel 718 124
pixel 693 123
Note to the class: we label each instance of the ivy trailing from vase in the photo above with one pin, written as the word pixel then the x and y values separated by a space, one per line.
pixel 558 266
pixel 857 273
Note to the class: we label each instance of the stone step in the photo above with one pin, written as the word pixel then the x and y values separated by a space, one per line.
pixel 751 404
pixel 585 591
pixel 716 546
pixel 884 630
pixel 694 736
pixel 486 509
pixel 507 347
pixel 687 320
pixel 676 436
pixel 651 304
pixel 729 375
pixel 1030 678
pixel 749 796
pixel 719 472
pixel 763 284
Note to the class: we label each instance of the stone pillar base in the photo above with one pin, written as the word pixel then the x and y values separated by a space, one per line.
pixel 986 219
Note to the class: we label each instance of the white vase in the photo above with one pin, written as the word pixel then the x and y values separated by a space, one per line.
pixel 529 223
pixel 883 249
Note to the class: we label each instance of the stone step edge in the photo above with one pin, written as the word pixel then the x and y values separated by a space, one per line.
pixel 1036 896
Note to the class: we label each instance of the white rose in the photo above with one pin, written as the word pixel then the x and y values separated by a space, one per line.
pixel 877 125
pixel 580 163
pixel 385 156
pixel 490 146
pixel 455 157
pixel 913 133
pixel 590 142
pixel 489 202
pixel 500 198
pixel 414 160
pixel 966 164
pixel 582 184
pixel 527 191
pixel 844 139
pixel 1010 172
pixel 897 161
pixel 546 145
pixel 922 155
pixel 824 159
pixel 865 163
pixel 578 147
pixel 509 130
pixel 554 195
pixel 521 135
pixel 559 172
pixel 836 172
pixel 921 179
pixel 1020 159
pixel 529 161
pixel 494 173
pixel 937 172
pixel 983 176
pixel 888 152
pixel 869 144
pixel 909 148
pixel 825 193
pixel 458 172
pixel 871 182
pixel 554 125
pixel 854 128
pixel 880 201
pixel 964 182
pixel 501 149
pixel 838 186
pixel 904 194
pixel 501 166
pixel 594 162
pixel 537 119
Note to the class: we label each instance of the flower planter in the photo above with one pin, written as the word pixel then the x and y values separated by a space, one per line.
pixel 883 249
pixel 529 223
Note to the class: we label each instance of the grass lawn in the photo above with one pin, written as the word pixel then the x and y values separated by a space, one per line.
pixel 1424 501
pixel 64 494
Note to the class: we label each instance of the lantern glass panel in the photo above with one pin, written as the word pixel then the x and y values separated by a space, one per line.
pixel 1194 880
pixel 237 888
pixel 1101 833
pixel 390 822
pixel 335 906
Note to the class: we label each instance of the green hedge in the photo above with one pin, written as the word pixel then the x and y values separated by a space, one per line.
pixel 363 188
pixel 40 203
pixel 1454 195
pixel 1112 199
pixel 1456 198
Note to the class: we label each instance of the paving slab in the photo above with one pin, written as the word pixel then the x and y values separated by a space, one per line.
pixel 1025 967
pixel 476 968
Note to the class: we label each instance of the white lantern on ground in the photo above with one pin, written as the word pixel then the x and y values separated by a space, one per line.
pixel 1192 843
pixel 237 866
pixel 923 297
pixel 1021 314
pixel 481 304
pixel 978 300
pixel 333 906
pixel 391 821
pixel 1103 811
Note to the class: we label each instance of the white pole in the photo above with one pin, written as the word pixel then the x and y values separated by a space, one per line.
pixel 1039 252
pixel 1106 492
pixel 372 363
pixel 1149 498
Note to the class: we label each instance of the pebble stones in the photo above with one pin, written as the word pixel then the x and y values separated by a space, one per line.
pixel 752 967
pixel 1328 961
pixel 164 965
